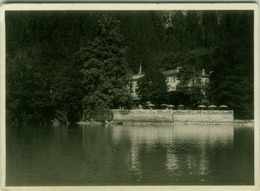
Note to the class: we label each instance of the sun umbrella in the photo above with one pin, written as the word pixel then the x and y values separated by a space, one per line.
pixel 163 105
pixel 201 106
pixel 181 107
pixel 212 107
pixel 150 105
pixel 223 106
pixel 170 106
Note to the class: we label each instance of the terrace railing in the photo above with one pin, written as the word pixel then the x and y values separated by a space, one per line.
pixel 174 112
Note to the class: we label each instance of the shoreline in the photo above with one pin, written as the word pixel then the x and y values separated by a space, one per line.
pixel 237 123
pixel 174 116
pixel 89 123
pixel 244 123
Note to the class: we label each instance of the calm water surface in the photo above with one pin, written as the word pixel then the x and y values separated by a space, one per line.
pixel 131 154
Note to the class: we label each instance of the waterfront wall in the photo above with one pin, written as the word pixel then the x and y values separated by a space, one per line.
pixel 182 116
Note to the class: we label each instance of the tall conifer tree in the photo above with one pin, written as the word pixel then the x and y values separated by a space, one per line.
pixel 106 78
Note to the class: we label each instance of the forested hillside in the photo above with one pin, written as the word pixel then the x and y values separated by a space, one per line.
pixel 49 54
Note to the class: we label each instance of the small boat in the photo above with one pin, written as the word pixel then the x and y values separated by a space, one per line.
pixel 114 122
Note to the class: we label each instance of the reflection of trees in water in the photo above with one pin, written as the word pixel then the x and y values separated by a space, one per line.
pixel 131 155
pixel 186 147
pixel 135 163
pixel 145 152
pixel 190 165
pixel 197 134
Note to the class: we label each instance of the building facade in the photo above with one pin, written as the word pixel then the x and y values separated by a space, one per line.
pixel 171 81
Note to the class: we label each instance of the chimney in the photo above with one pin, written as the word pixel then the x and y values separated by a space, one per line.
pixel 140 68
pixel 203 71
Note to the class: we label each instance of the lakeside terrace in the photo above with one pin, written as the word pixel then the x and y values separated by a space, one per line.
pixel 162 115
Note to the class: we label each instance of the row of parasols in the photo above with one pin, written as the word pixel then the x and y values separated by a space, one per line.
pixel 183 106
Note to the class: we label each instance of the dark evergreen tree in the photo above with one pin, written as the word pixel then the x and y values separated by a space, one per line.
pixel 231 82
pixel 43 72
pixel 105 74
pixel 152 86
pixel 28 89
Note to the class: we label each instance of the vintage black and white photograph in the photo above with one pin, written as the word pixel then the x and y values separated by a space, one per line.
pixel 127 98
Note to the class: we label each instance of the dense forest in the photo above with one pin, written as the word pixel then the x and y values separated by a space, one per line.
pixel 61 64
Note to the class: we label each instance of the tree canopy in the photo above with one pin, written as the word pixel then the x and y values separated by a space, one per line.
pixel 152 86
pixel 106 79
pixel 58 62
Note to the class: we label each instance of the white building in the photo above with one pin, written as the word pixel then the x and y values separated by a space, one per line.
pixel 171 80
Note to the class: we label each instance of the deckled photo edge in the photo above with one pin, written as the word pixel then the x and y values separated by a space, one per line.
pixel 122 6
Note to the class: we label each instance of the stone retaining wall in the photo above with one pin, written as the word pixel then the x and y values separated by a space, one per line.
pixel 173 115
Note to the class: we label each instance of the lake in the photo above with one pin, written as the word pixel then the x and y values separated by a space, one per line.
pixel 130 154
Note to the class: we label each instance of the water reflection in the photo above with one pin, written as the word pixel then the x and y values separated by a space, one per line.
pixel 131 154
pixel 186 146
pixel 170 133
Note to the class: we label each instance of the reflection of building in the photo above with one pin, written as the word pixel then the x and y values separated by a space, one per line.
pixel 209 134
pixel 188 148
pixel 171 80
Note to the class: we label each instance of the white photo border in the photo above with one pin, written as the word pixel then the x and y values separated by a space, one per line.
pixel 131 7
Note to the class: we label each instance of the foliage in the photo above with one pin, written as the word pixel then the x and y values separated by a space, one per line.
pixel 105 75
pixel 48 77
pixel 68 92
pixel 28 92
pixel 190 85
pixel 232 80
pixel 191 99
pixel 99 115
pixel 185 75
pixel 42 68
pixel 152 86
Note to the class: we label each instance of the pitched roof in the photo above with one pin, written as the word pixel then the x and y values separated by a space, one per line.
pixel 170 73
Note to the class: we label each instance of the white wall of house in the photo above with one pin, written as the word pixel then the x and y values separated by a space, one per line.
pixel 171 81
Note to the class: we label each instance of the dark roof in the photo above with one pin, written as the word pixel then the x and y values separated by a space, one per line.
pixel 199 74
pixel 170 73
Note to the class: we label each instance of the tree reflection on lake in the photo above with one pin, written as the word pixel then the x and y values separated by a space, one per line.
pixel 130 154
pixel 185 146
